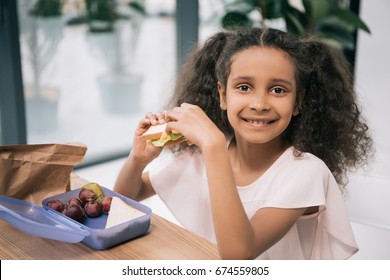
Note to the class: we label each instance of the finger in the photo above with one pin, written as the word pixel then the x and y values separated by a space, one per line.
pixel 160 117
pixel 166 116
pixel 186 105
pixel 173 127
pixel 145 122
pixel 175 114
pixel 144 125
pixel 152 117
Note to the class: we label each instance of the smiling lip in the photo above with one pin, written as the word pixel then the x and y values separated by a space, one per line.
pixel 259 122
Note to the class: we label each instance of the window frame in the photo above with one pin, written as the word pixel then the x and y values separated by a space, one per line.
pixel 13 127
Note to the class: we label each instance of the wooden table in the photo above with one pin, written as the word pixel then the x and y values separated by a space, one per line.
pixel 164 240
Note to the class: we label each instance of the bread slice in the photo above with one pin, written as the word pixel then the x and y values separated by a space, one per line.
pixel 121 212
pixel 154 132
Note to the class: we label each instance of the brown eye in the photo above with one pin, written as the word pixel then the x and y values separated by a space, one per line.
pixel 278 90
pixel 244 88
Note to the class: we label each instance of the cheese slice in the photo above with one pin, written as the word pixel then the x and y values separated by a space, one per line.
pixel 121 212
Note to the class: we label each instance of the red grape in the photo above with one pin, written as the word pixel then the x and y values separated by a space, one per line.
pixel 93 208
pixel 56 204
pixel 86 195
pixel 106 203
pixel 75 212
pixel 76 201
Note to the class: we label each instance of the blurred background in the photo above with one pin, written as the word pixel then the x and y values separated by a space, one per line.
pixel 89 70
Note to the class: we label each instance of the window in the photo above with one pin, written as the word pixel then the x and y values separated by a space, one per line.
pixel 61 80
pixel 90 75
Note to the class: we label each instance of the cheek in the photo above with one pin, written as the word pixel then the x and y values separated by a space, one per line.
pixel 234 101
pixel 232 109
pixel 289 106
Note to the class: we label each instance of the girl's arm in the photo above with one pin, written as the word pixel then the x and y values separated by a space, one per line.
pixel 237 236
pixel 131 181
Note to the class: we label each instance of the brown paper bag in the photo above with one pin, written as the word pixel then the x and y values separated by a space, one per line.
pixel 34 172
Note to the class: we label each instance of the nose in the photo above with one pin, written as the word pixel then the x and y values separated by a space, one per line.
pixel 259 102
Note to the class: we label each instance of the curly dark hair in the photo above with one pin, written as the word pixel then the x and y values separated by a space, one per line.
pixel 330 124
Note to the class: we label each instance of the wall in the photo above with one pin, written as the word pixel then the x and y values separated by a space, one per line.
pixel 372 76
pixel 369 190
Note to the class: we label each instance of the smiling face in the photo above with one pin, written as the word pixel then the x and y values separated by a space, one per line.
pixel 260 95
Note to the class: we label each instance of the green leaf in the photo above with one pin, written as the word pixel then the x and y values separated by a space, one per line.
pixel 351 19
pixel 47 8
pixel 233 20
pixel 333 43
pixel 243 6
pixel 335 21
pixel 339 34
pixel 293 24
pixel 138 7
pixel 275 8
pixel 316 9
pixel 170 137
pixel 175 136
pixel 160 142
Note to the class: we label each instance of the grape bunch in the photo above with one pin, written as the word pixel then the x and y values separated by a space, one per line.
pixel 91 203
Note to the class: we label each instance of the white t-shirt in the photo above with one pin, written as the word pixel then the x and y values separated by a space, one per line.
pixel 291 182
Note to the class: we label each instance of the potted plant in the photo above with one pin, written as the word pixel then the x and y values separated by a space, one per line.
pixel 329 20
pixel 41 27
pixel 114 28
pixel 101 15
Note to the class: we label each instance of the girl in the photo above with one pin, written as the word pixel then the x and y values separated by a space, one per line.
pixel 272 126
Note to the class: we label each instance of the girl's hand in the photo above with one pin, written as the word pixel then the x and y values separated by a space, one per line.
pixel 191 121
pixel 142 151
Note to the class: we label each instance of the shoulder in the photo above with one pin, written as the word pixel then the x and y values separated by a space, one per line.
pixel 299 162
pixel 300 179
pixel 296 180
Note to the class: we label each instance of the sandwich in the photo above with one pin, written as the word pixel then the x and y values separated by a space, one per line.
pixel 121 212
pixel 158 137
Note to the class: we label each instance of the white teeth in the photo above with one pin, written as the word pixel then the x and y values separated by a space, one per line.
pixel 258 122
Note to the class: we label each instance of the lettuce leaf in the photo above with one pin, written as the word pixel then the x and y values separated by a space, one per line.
pixel 170 137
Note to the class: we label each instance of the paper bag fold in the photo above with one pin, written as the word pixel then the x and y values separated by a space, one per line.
pixel 34 172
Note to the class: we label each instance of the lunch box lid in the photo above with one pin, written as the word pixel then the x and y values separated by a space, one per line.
pixel 35 220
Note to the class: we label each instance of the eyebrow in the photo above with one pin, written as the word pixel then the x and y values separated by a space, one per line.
pixel 283 81
pixel 276 80
pixel 241 78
